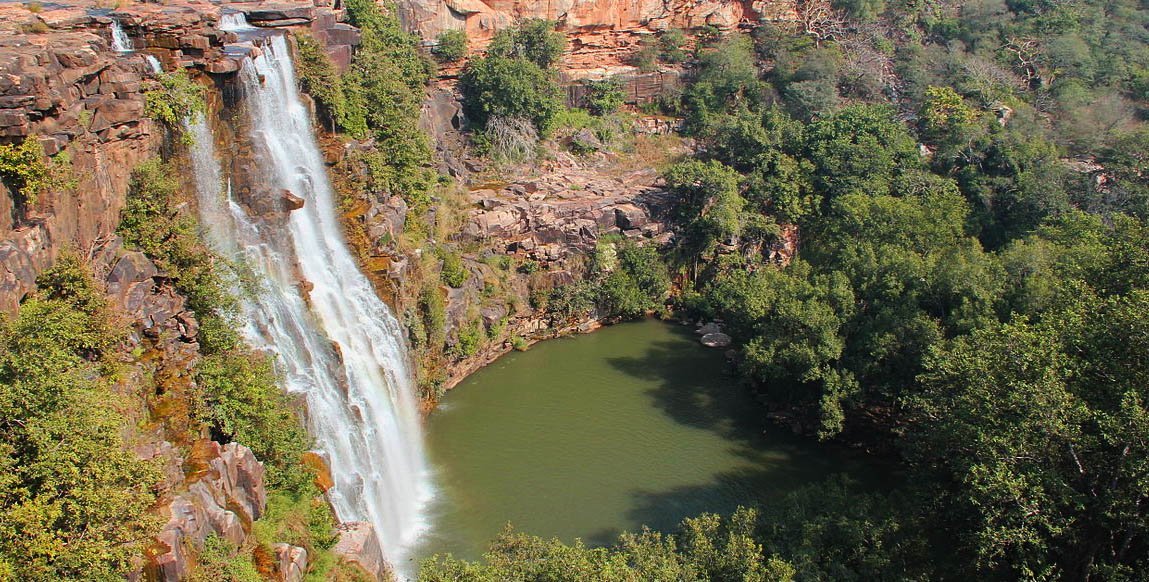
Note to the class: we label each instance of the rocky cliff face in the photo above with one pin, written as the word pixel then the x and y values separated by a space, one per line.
pixel 602 34
pixel 63 84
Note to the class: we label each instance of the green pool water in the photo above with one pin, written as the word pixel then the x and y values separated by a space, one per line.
pixel 584 437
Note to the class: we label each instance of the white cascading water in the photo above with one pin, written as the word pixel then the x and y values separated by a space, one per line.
pixel 120 41
pixel 154 63
pixel 361 406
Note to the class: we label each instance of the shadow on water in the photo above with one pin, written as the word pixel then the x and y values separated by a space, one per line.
pixel 696 388
pixel 587 437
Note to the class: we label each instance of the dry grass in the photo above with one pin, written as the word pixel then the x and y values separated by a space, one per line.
pixel 651 151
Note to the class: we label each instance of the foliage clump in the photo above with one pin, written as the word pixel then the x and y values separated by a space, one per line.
pixel 380 97
pixel 708 549
pixel 76 499
pixel 28 173
pixel 154 221
pixel 514 80
pixel 452 46
pixel 176 98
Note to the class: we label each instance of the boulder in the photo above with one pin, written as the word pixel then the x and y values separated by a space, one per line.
pixel 630 216
pixel 225 495
pixel 585 141
pixel 708 329
pixel 359 545
pixel 292 201
pixel 716 340
pixel 292 562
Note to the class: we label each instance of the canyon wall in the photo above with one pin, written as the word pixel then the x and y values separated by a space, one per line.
pixel 64 84
pixel 602 35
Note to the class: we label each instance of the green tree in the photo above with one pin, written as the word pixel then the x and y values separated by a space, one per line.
pixel 726 76
pixel 945 115
pixel 605 96
pixel 859 149
pixel 176 98
pixel 240 399
pixel 75 499
pixel 1034 430
pixel 498 86
pixel 707 201
pixel 452 46
pixel 532 39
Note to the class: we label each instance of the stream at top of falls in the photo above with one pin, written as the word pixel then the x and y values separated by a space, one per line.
pixel 587 436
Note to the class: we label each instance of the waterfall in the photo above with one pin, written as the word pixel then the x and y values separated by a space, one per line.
pixel 154 63
pixel 120 41
pixel 234 21
pixel 122 44
pixel 339 347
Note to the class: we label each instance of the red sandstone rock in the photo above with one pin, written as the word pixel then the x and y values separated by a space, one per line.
pixel 359 545
pixel 225 498
pixel 602 34
pixel 292 201
pixel 292 562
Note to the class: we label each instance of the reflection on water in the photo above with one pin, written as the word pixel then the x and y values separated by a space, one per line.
pixel 585 437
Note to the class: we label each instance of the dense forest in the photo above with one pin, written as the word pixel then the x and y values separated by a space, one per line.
pixel 970 297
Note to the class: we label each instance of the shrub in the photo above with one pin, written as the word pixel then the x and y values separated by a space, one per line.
pixel 670 46
pixel 75 498
pixel 454 272
pixel 434 315
pixel 383 91
pixel 154 222
pixel 514 139
pixel 318 76
pixel 222 561
pixel 470 338
pixel 533 39
pixel 304 521
pixel 27 172
pixel 520 343
pixel 240 398
pixel 511 88
pixel 571 302
pixel 452 46
pixel 645 59
pixel 175 99
pixel 604 96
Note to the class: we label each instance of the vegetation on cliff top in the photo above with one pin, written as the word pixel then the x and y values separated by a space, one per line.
pixel 378 97
pixel 176 99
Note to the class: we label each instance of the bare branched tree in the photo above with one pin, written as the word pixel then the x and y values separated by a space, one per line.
pixel 512 138
pixel 821 20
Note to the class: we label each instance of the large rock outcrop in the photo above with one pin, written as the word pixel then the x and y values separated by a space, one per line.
pixel 602 34
pixel 225 494
pixel 359 545
pixel 62 83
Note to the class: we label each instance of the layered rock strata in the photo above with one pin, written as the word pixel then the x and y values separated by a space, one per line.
pixel 62 83
pixel 602 35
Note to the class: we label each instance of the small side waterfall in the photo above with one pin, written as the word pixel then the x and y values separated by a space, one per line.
pixel 154 63
pixel 338 344
pixel 120 41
